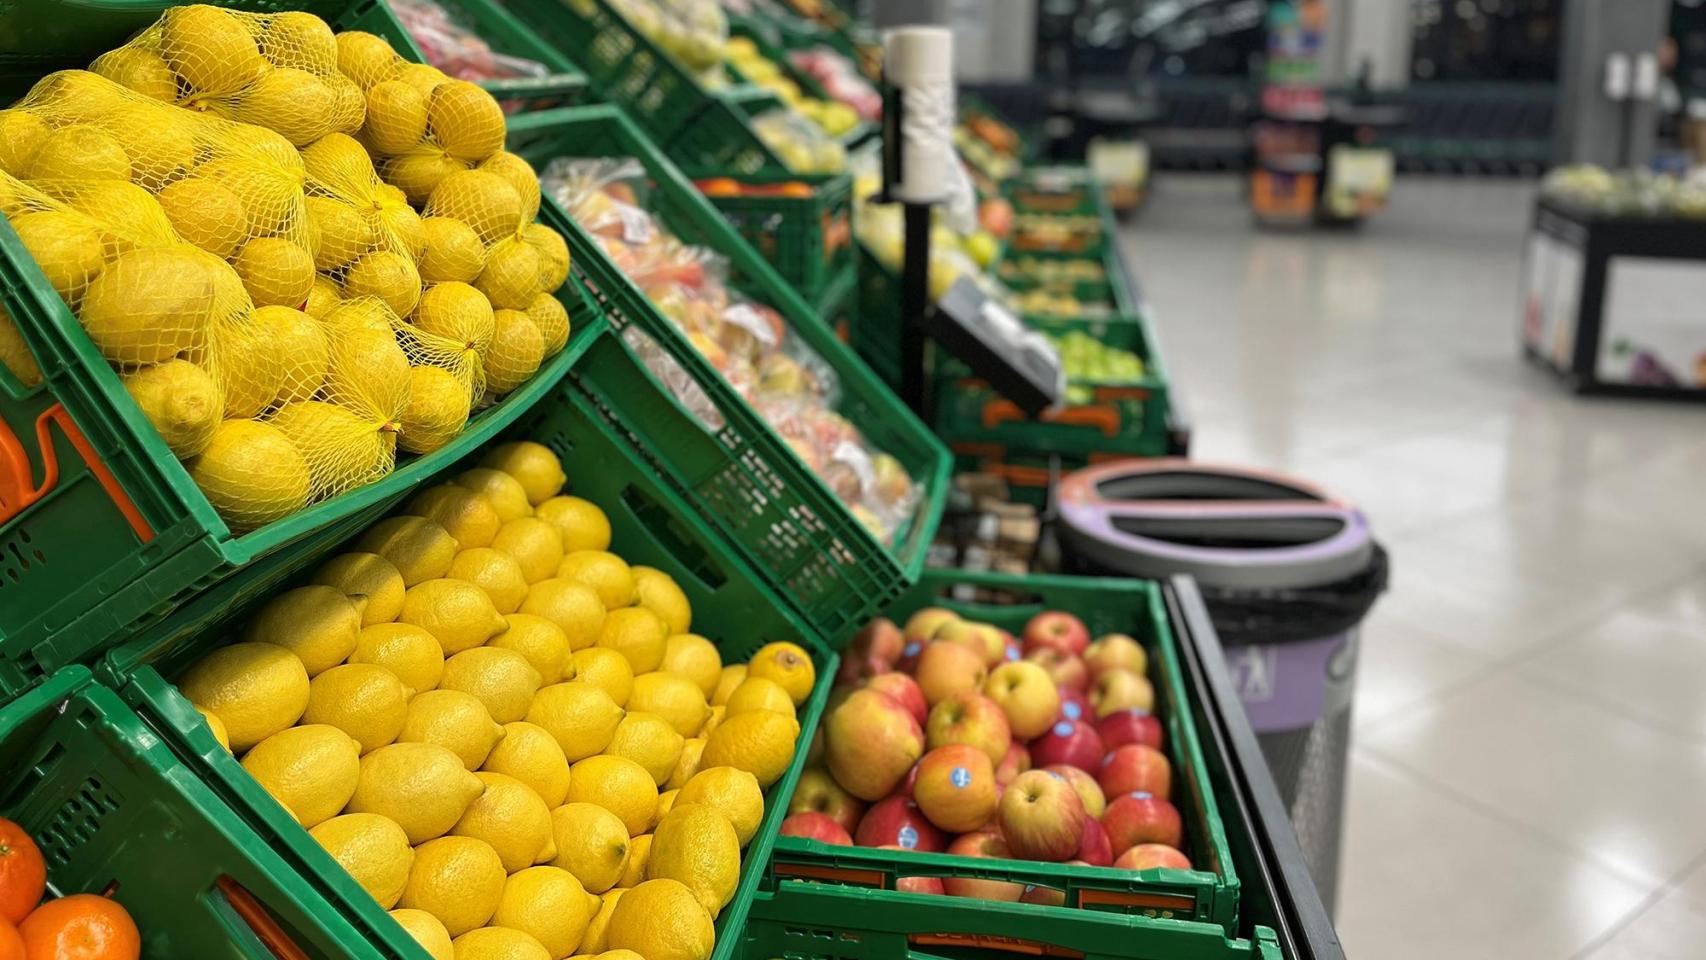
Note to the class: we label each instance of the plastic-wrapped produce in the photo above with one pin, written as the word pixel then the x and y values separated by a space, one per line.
pixel 455 49
pixel 800 145
pixel 841 80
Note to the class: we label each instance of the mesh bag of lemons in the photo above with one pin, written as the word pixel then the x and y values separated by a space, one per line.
pixel 510 737
pixel 303 254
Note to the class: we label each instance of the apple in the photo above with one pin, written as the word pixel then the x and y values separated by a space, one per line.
pixel 1065 669
pixel 870 742
pixel 1139 817
pixel 1016 761
pixel 1089 791
pixel 818 792
pixel 921 627
pixel 931 885
pixel 1013 650
pixel 904 690
pixel 1130 726
pixel 1094 849
pixel 1135 767
pixel 970 718
pixel 982 845
pixel 1074 705
pixel 1047 896
pixel 909 654
pixel 956 788
pixel 1026 694
pixel 854 670
pixel 1042 817
pixel 1073 743
pixel 1119 689
pixel 1116 651
pixel 983 639
pixel 897 822
pixel 945 669
pixel 905 788
pixel 1056 628
pixel 812 825
pixel 879 640
pixel 1147 855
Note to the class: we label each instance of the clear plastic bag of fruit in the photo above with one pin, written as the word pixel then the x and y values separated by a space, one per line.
pixel 841 80
pixel 799 143
pixel 458 51
pixel 873 484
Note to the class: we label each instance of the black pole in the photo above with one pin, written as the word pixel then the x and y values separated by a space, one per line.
pixel 914 300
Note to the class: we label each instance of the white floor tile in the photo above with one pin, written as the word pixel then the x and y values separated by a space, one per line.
pixel 1636 664
pixel 1399 668
pixel 1673 928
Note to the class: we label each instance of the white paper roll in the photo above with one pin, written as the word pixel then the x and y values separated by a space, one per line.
pixel 919 63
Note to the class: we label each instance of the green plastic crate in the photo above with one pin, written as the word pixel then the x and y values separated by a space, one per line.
pixel 809 240
pixel 564 86
pixel 653 522
pixel 810 547
pixel 1135 607
pixel 771 48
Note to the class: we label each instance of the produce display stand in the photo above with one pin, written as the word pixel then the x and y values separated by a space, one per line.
pixel 808 239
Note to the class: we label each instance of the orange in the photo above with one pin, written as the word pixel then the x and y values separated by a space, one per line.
pixel 11 944
pixel 82 926
pixel 23 873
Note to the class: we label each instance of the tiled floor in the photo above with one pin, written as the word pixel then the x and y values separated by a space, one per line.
pixel 1529 769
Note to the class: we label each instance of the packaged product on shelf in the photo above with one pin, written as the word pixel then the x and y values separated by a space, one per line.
pixel 455 49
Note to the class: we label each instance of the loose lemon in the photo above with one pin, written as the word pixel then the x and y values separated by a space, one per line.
pixel 592 844
pixel 426 931
pixel 538 469
pixel 216 727
pixel 373 849
pixel 695 844
pixel 512 819
pixel 310 770
pixel 732 676
pixel 581 523
pixel 673 697
pixel 456 612
pixel 658 592
pixel 661 920
pixel 580 716
pixel 619 955
pixel 606 669
pixel 531 755
pixel 733 793
pixel 787 664
pixel 666 803
pixel 404 649
pixel 648 740
pixel 499 943
pixel 541 642
pixel 535 545
pixel 370 580
pixel 459 880
pixel 760 742
pixel 573 607
pixel 365 701
pixel 598 931
pixel 606 573
pixel 687 765
pixel 759 693
pixel 635 633
pixel 713 721
pixel 422 786
pixel 419 548
pixel 255 689
pixel 464 514
pixel 455 720
pixel 548 904
pixel 639 854
pixel 619 785
pixel 495 572
pixel 695 658
pixel 317 623
pixel 503 680
pixel 504 492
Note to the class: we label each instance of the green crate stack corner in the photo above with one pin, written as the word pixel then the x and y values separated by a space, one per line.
pixel 1206 896
pixel 565 85
pixel 808 240
pixel 796 532
pixel 653 521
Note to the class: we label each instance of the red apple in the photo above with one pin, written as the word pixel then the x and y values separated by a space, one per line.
pixel 932 885
pixel 1116 651
pixel 970 718
pixel 1147 855
pixel 983 639
pixel 921 627
pixel 1042 817
pixel 812 825
pixel 1074 705
pixel 898 822
pixel 1073 743
pixel 880 640
pixel 818 792
pixel 1130 726
pixel 956 787
pixel 906 785
pixel 1063 668
pixel 870 742
pixel 855 670
pixel 1141 818
pixel 1016 761
pixel 904 690
pixel 1057 628
pixel 1135 767
pixel 1088 790
pixel 982 845
pixel 1047 896
pixel 1026 694
pixel 1094 849
pixel 1118 689
pixel 945 669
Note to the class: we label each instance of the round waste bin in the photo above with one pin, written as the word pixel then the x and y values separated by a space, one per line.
pixel 1287 571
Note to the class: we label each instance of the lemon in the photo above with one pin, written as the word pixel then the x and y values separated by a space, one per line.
pixel 206 214
pixel 365 367
pixel 439 402
pixel 345 232
pixel 216 727
pixel 553 257
pixel 150 303
pixel 426 931
pixel 275 271
pixel 511 278
pixel 517 349
pixel 666 803
pixel 365 58
pixel 573 607
pixel 604 572
pixel 210 49
pixel 713 721
pixel 658 592
pixel 512 819
pixel 580 716
pixel 404 649
pixel 648 740
pixel 619 955
pixel 466 121
pixel 501 679
pixel 505 493
pixel 758 693
pixel 597 932
pixel 299 346
pixel 688 764
pixel 456 879
pixel 760 742
pixel 636 633
pixel 672 697
pixel 345 446
pixel 16 357
pixel 322 298
pixel 453 251
pixel 422 786
pixel 789 665
pixel 456 612
pixel 582 524
pixel 732 676
pixel 365 701
pixel 420 171
pixel 181 401
pixel 370 580
pixel 310 770
pixel 551 318
pixel 316 622
pixel 661 920
pixel 469 517
pixel 619 785
pixel 292 102
pixel 295 39
pixel 419 548
pixel 694 657
pixel 70 250
pixel 535 545
pixel 495 572
pixel 388 275
pixel 499 943
pixel 251 473
pixel 549 904
pixel 396 117
pixel 455 720
pixel 520 175
pixel 250 381
pixel 255 689
pixel 607 670
pixel 21 135
pixel 639 854
pixel 373 849
pixel 531 755
pixel 592 844
pixel 733 793
pixel 538 469
pixel 541 642
pixel 695 844
pixel 79 153
pixel 484 201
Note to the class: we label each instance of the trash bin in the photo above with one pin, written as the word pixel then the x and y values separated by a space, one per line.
pixel 1288 573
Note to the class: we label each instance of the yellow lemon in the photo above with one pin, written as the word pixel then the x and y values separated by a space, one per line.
pixel 597 932
pixel 456 612
pixel 512 819
pixel 531 755
pixel 592 844
pixel 673 697
pixel 661 920
pixel 538 469
pixel 648 740
pixel 456 879
pixel 455 720
pixel 541 642
pixel 695 844
pixel 581 523
pixel 548 904
pixel 666 803
pixel 635 633
pixel 573 607
pixel 255 689
pixel 419 548
pixel 501 679
pixel 732 677
pixel 426 931
pixel 365 701
pixel 495 572
pixel 687 765
pixel 787 664
pixel 760 742
pixel 422 786
pixel 404 649
pixel 310 770
pixel 464 514
pixel 373 849
pixel 619 955
pixel 658 592
pixel 580 716
pixel 758 693
pixel 639 854
pixel 733 793
pixel 606 573
pixel 535 545
pixel 317 623
pixel 499 943
pixel 694 657
pixel 216 727
pixel 504 492
pixel 606 669
pixel 712 721
pixel 619 785
pixel 370 580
